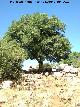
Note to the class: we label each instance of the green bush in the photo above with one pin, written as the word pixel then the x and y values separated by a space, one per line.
pixel 73 59
pixel 11 71
pixel 46 65
pixel 11 57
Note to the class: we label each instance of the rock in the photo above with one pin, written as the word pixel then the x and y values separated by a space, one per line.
pixel 77 105
pixel 46 74
pixel 74 70
pixel 6 84
pixel 68 69
pixel 62 66
pixel 54 69
pixel 58 74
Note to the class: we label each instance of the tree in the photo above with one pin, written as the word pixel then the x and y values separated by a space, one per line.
pixel 11 57
pixel 41 36
pixel 73 59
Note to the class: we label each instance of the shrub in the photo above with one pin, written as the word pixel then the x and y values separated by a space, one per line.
pixel 11 71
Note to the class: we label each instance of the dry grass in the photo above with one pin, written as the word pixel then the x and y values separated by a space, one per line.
pixel 43 92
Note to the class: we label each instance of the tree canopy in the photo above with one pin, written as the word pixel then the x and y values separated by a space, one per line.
pixel 73 59
pixel 41 37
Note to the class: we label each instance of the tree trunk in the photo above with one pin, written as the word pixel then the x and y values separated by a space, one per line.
pixel 40 65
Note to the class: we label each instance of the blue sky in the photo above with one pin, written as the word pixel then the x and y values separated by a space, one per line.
pixel 67 12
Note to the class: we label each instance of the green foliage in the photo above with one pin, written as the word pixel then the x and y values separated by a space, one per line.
pixel 11 57
pixel 73 59
pixel 46 65
pixel 42 37
pixel 11 71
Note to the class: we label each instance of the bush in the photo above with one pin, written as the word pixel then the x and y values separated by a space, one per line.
pixel 47 68
pixel 12 71
pixel 46 65
pixel 13 75
pixel 73 59
pixel 11 57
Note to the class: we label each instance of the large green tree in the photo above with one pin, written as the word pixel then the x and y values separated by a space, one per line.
pixel 41 36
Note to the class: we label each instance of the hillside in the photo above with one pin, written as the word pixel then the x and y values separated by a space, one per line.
pixel 43 91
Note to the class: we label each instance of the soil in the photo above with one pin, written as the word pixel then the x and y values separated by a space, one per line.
pixel 43 91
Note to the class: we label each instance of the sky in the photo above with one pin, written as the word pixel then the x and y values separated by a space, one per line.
pixel 66 12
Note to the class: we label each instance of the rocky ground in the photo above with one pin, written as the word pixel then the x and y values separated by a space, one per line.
pixel 43 91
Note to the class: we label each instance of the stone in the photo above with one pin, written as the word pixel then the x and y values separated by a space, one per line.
pixel 6 84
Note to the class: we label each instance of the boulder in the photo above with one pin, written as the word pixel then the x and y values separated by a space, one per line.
pixel 6 84
pixel 62 66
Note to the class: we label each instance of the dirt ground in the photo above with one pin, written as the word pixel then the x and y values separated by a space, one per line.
pixel 43 91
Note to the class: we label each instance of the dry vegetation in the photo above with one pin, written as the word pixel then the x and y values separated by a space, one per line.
pixel 41 91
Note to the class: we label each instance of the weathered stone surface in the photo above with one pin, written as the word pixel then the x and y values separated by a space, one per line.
pixel 6 84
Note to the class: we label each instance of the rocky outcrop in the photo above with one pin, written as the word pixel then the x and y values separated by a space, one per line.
pixel 63 69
